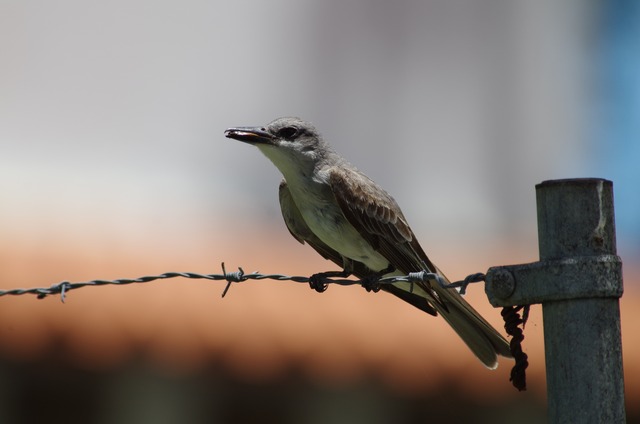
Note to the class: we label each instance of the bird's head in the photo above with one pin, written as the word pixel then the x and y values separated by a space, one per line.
pixel 288 142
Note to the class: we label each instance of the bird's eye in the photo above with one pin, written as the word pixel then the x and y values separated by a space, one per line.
pixel 287 133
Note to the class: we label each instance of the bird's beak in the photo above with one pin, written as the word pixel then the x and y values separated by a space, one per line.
pixel 251 135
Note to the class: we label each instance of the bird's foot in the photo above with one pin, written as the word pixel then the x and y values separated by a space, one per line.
pixel 316 281
pixel 371 283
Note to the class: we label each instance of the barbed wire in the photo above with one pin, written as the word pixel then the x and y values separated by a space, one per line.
pixel 239 276
pixel 319 282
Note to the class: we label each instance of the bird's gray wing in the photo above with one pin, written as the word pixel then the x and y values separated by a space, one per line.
pixel 378 218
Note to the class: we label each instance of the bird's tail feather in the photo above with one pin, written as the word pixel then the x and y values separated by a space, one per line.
pixel 483 340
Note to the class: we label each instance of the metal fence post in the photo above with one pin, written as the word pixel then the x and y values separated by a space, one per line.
pixel 578 280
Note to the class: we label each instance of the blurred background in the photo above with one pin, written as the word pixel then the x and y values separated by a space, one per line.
pixel 113 164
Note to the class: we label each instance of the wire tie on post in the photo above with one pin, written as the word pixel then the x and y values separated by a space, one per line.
pixel 525 315
pixel 512 320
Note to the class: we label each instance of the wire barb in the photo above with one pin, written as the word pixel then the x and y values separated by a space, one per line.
pixel 232 277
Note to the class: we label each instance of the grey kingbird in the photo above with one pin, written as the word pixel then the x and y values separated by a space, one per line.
pixel 347 218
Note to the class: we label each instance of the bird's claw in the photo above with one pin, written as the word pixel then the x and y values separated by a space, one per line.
pixel 316 282
pixel 372 283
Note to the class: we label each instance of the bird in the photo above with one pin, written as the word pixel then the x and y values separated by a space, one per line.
pixel 350 220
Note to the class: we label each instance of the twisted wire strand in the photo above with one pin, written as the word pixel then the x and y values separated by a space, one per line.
pixel 239 276
pixel 510 314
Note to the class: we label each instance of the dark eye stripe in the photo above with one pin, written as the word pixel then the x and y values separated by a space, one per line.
pixel 287 133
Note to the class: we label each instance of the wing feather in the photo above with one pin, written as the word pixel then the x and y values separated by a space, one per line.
pixel 379 219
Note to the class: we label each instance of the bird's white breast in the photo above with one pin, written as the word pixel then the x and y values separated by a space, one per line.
pixel 318 207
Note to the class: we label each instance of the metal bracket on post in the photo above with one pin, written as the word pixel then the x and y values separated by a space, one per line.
pixel 578 281
pixel 563 279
